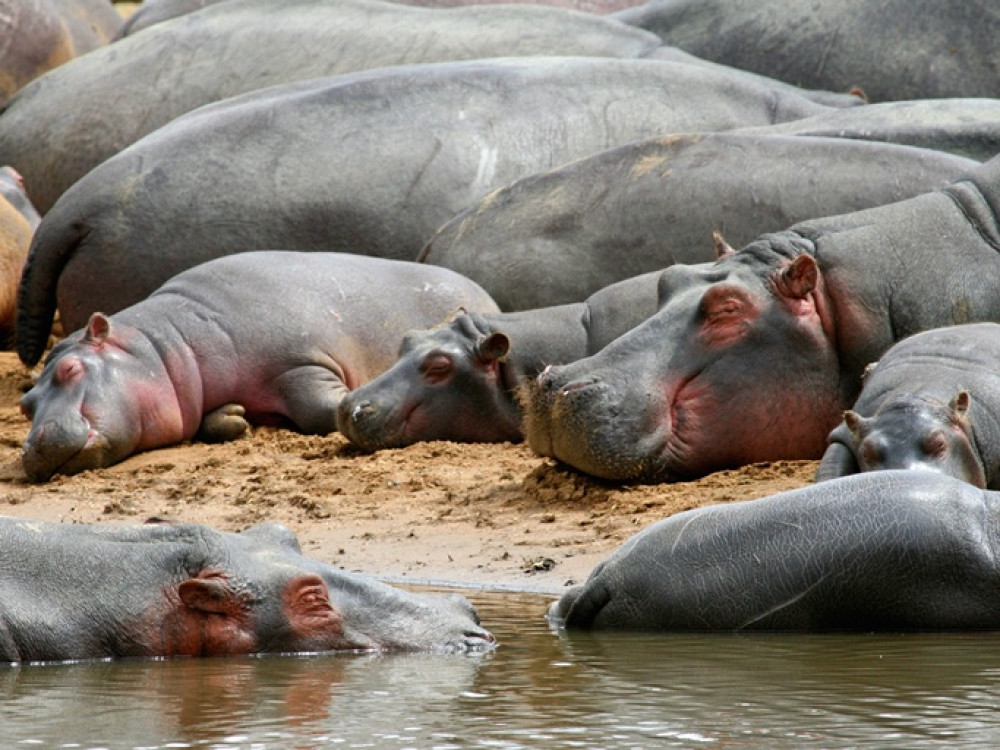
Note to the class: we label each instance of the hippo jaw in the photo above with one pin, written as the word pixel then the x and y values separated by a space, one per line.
pixel 64 447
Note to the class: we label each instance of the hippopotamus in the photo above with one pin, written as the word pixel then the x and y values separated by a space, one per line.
pixel 888 550
pixel 39 35
pixel 557 236
pixel 12 190
pixel 931 402
pixel 98 591
pixel 151 12
pixel 269 337
pixel 754 357
pixel 196 189
pixel 900 49
pixel 18 220
pixel 457 381
pixel 230 48
pixel 965 127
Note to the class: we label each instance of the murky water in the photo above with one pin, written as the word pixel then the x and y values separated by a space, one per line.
pixel 539 689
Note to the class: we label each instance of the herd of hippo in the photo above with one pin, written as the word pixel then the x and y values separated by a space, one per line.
pixel 632 238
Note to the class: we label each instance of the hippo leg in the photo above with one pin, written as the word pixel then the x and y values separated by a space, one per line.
pixel 837 461
pixel 311 395
pixel 223 424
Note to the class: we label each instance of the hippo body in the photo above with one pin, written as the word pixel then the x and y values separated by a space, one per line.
pixel 931 402
pixel 558 236
pixel 899 49
pixel 776 334
pixel 158 372
pixel 892 550
pixel 18 220
pixel 97 591
pixel 459 381
pixel 386 185
pixel 39 35
pixel 146 80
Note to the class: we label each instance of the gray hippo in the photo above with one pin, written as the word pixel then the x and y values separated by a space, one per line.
pixel 931 402
pixel 200 188
pixel 267 337
pixel 890 550
pixel 39 35
pixel 557 236
pixel 146 80
pixel 755 357
pixel 98 591
pixel 457 381
pixel 891 49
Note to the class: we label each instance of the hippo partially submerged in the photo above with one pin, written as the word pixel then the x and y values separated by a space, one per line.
pixel 97 591
pixel 892 550
pixel 266 337
pixel 931 402
pixel 754 357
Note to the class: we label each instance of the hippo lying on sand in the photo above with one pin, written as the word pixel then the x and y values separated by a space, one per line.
pixel 266 337
pixel 890 550
pixel 755 357
pixel 931 402
pixel 394 154
pixel 18 220
pixel 458 381
pixel 558 236
pixel 97 591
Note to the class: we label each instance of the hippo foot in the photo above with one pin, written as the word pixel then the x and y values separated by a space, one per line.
pixel 222 424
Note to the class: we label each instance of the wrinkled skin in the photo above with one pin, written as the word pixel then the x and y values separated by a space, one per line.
pixel 263 338
pixel 557 236
pixel 932 402
pixel 754 357
pixel 77 591
pixel 458 381
pixel 891 50
pixel 386 185
pixel 890 550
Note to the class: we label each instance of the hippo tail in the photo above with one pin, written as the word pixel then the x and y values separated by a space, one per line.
pixel 51 248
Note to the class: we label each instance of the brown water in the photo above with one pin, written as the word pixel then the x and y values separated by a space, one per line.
pixel 539 689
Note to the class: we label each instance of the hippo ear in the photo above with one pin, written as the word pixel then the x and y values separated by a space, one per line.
pixel 493 347
pixel 799 277
pixel 98 328
pixel 857 424
pixel 960 403
pixel 722 248
pixel 209 592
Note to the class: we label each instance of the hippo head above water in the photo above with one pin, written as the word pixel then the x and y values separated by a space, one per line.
pixel 738 365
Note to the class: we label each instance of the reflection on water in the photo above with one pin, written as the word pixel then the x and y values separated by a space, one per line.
pixel 539 689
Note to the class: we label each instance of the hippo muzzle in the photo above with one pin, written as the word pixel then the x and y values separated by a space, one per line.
pixel 69 444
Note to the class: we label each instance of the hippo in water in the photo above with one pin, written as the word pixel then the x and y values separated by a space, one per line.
pixel 890 550
pixel 386 184
pixel 931 402
pixel 457 381
pixel 265 337
pixel 755 357
pixel 890 49
pixel 557 236
pixel 98 591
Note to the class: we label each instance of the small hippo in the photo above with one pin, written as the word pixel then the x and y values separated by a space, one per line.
pixel 268 337
pixel 458 381
pixel 97 591
pixel 931 402
pixel 890 550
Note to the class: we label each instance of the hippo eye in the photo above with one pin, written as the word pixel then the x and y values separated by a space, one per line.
pixel 436 368
pixel 934 444
pixel 68 369
pixel 871 455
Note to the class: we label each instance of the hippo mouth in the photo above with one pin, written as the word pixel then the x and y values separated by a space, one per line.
pixel 372 429
pixel 52 449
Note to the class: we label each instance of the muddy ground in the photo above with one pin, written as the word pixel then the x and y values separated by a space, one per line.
pixel 484 515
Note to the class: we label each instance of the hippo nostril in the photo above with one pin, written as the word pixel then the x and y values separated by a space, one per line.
pixel 362 410
pixel 577 385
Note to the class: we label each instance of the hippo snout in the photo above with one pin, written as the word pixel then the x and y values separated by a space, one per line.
pixel 52 444
pixel 359 421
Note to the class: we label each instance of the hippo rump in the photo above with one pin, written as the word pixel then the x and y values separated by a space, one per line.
pixel 892 550
pixel 458 381
pixel 755 357
pixel 145 81
pixel 196 189
pixel 558 236
pixel 964 127
pixel 892 50
pixel 931 402
pixel 39 35
pixel 98 591
pixel 265 337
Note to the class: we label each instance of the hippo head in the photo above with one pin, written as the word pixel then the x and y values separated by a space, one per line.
pixel 91 404
pixel 738 365
pixel 448 384
pixel 921 433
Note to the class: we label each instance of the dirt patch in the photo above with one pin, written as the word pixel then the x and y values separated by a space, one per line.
pixel 495 515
